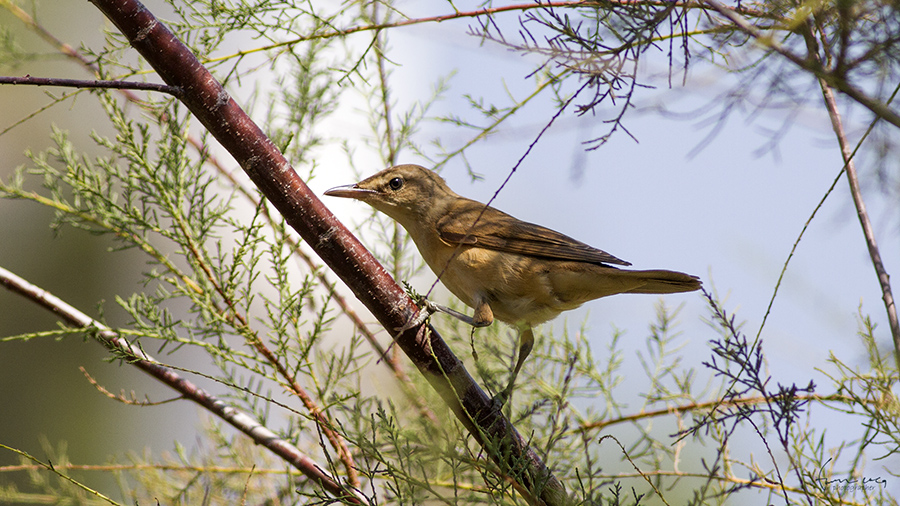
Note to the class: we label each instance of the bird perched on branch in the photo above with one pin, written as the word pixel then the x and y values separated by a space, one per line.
pixel 517 272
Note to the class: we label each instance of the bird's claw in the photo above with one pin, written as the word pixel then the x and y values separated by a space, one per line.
pixel 426 309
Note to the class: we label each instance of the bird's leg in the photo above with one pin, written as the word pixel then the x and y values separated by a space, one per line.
pixel 526 343
pixel 483 315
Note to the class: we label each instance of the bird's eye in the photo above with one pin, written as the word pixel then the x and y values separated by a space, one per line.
pixel 396 183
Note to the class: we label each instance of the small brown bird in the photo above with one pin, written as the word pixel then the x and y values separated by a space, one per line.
pixel 518 272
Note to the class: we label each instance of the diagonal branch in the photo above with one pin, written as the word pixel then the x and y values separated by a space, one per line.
pixel 853 179
pixel 135 356
pixel 341 251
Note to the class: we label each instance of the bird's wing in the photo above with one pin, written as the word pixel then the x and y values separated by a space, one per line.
pixel 499 231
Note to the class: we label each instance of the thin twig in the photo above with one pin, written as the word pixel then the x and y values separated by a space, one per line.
pixel 378 45
pixel 49 466
pixel 853 179
pixel 509 176
pixel 132 400
pixel 488 11
pixel 92 83
pixel 699 406
pixel 812 215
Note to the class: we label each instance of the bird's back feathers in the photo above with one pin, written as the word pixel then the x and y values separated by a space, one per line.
pixel 474 224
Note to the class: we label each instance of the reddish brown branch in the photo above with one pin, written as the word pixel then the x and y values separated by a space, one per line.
pixel 342 252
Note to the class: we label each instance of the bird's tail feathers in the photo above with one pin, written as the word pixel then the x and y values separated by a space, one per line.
pixel 662 281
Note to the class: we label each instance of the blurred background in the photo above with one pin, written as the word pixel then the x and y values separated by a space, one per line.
pixel 724 200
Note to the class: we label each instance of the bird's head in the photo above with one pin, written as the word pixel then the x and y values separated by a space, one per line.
pixel 406 193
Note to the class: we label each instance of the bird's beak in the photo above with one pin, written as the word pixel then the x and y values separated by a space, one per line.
pixel 351 191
